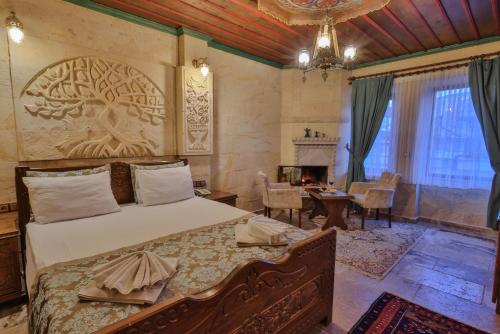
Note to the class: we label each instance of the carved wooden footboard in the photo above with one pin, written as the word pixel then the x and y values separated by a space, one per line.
pixel 293 294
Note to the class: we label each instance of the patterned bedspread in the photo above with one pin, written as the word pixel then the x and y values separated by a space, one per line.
pixel 206 256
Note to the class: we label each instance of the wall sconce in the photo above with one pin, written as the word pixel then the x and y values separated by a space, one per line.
pixel 14 28
pixel 202 64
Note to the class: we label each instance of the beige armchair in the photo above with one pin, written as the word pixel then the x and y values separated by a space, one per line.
pixel 379 195
pixel 280 196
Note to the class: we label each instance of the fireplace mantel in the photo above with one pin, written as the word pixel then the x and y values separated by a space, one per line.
pixel 316 151
pixel 315 141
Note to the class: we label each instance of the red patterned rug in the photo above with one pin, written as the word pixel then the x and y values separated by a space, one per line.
pixel 393 315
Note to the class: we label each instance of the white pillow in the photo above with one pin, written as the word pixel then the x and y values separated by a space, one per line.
pixel 56 199
pixel 133 168
pixel 165 185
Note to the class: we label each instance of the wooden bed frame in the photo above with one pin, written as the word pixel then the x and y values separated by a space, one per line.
pixel 291 294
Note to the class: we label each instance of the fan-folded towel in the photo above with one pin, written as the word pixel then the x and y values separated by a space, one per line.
pixel 136 276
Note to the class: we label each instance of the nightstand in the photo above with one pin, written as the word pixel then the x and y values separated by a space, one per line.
pixel 10 258
pixel 223 197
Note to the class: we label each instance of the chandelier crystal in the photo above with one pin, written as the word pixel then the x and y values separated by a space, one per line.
pixel 325 52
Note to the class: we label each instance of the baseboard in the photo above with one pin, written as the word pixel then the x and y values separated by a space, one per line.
pixel 484 232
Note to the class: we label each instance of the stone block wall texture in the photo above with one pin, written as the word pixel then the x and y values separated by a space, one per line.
pixel 247 96
pixel 247 136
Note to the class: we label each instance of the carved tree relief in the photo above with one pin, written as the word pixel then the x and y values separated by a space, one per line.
pixel 103 104
pixel 196 113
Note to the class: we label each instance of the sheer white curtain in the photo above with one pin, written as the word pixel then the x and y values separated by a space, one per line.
pixel 440 140
pixel 430 133
pixel 382 156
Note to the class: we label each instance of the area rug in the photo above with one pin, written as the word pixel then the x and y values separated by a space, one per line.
pixel 373 251
pixel 390 314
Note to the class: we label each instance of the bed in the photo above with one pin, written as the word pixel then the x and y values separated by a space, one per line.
pixel 219 288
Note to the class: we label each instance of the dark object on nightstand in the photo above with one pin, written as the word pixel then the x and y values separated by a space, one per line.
pixel 223 197
pixel 11 286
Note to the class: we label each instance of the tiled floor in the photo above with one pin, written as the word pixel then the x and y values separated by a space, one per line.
pixel 446 272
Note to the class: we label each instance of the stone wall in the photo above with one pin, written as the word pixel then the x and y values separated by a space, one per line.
pixel 56 31
pixel 247 136
pixel 246 94
pixel 322 106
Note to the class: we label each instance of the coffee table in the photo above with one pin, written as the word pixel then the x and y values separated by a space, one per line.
pixel 330 205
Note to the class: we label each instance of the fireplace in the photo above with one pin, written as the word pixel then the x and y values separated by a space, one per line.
pixel 316 152
pixel 303 175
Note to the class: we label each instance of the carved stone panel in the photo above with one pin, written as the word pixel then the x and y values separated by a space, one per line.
pixel 89 107
pixel 195 112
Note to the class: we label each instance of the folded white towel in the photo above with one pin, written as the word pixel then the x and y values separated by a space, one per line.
pixel 243 238
pixel 134 271
pixel 266 229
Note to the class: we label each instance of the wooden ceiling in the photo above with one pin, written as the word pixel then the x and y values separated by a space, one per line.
pixel 402 27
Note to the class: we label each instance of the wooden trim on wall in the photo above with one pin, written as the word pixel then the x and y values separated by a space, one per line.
pixel 441 66
pixel 429 52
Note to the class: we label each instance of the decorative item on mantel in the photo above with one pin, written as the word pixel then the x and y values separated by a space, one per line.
pixel 308 133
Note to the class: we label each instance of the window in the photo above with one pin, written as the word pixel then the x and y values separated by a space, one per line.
pixel 381 156
pixel 457 156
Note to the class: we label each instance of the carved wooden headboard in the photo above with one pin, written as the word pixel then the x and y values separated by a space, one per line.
pixel 121 184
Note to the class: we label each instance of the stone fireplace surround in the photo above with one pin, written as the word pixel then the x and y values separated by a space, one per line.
pixel 316 151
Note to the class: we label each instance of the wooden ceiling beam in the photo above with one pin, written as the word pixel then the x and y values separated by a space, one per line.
pixel 175 23
pixel 252 23
pixel 147 13
pixel 371 55
pixel 424 22
pixel 211 27
pixel 250 32
pixel 266 17
pixel 384 32
pixel 443 12
pixel 251 50
pixel 401 25
pixel 382 46
pixel 470 18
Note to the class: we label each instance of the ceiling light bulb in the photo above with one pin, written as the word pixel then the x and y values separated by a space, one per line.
pixel 16 35
pixel 14 28
pixel 349 52
pixel 324 41
pixel 204 69
pixel 304 57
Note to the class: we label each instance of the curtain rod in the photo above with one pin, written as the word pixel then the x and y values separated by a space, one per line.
pixel 427 68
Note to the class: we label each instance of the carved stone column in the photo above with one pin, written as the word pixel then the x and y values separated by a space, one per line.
pixel 194 112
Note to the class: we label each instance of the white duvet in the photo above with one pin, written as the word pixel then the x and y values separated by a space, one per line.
pixel 70 240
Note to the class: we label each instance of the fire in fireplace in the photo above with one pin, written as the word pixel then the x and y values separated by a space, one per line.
pixel 303 175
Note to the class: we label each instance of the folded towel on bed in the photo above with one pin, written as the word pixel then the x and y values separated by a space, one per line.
pixel 147 295
pixel 135 278
pixel 266 229
pixel 260 233
pixel 134 271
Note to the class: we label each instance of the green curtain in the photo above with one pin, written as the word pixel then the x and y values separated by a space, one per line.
pixel 484 81
pixel 369 101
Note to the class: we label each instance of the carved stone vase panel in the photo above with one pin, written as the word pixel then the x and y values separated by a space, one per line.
pixel 89 107
pixel 195 112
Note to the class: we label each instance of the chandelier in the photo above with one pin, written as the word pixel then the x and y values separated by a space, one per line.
pixel 325 52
